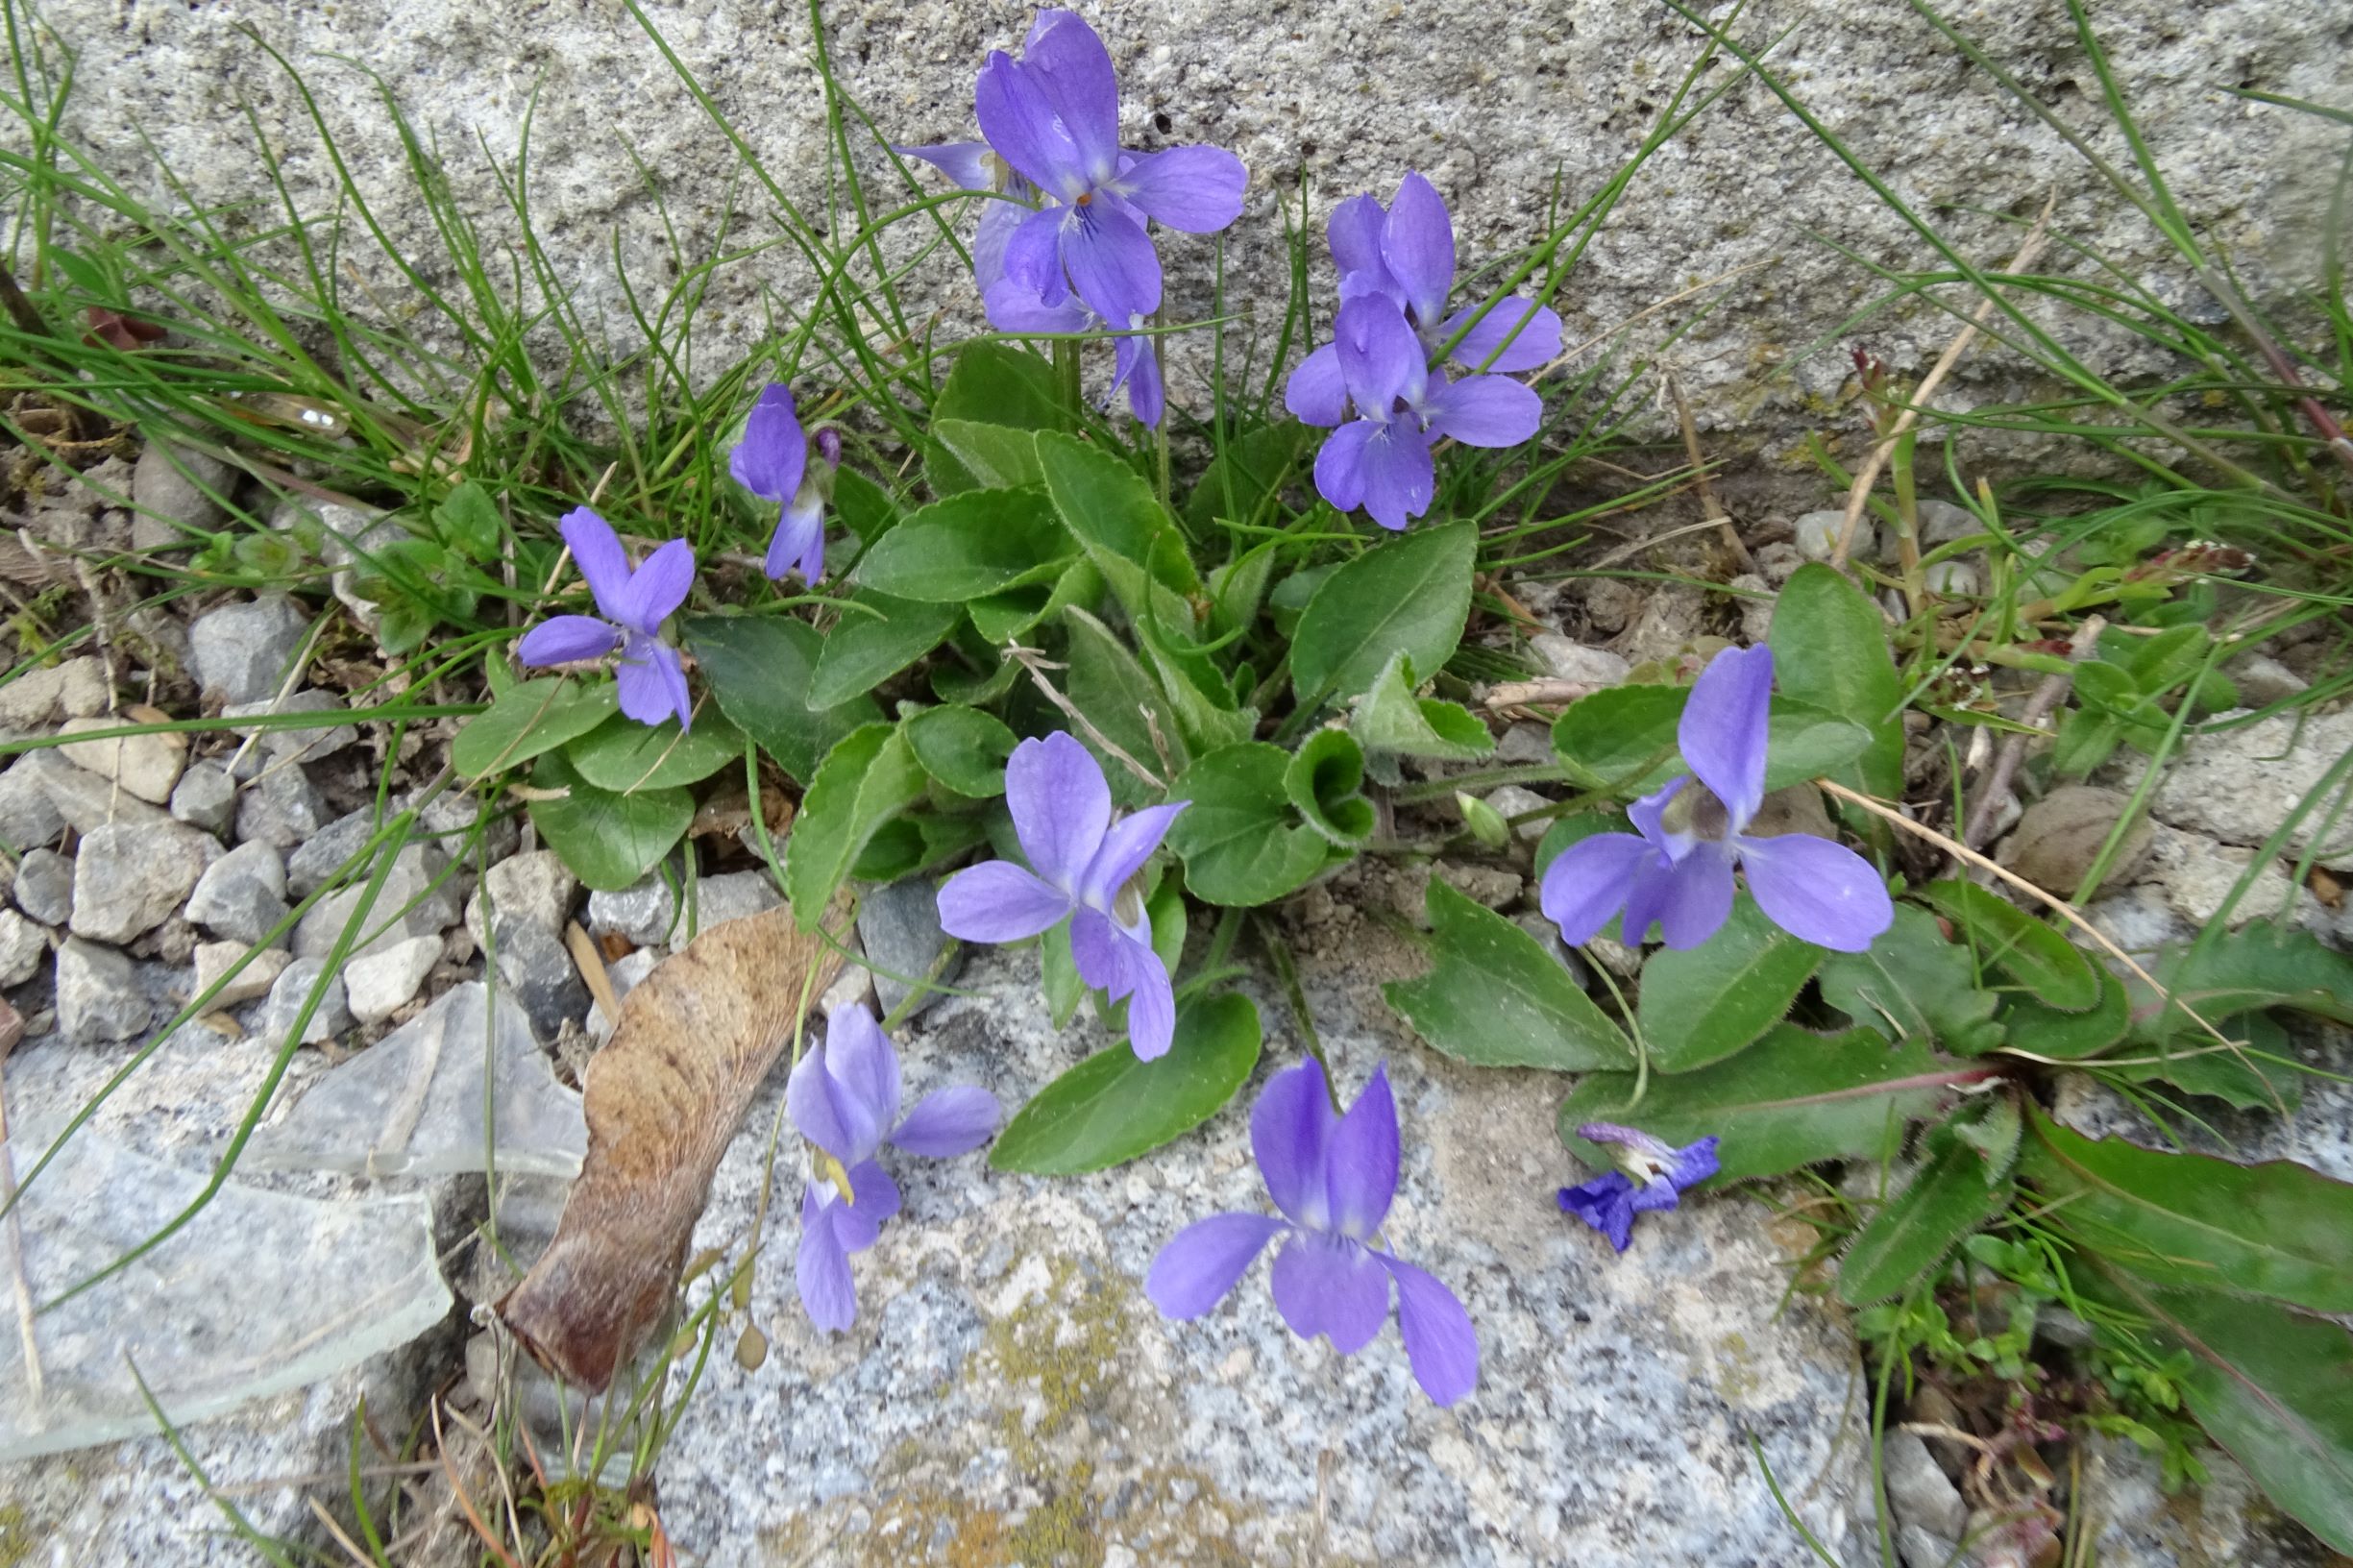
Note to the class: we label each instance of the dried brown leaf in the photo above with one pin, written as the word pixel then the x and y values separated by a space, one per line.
pixel 663 1098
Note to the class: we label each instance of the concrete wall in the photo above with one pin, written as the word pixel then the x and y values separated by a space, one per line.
pixel 1491 101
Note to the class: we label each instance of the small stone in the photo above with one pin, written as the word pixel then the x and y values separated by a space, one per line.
pixel 130 876
pixel 27 817
pixel 1568 660
pixel 242 894
pixel 1918 1488
pixel 1493 886
pixel 416 879
pixel 2059 837
pixel 641 911
pixel 899 928
pixel 316 859
pixel 84 693
pixel 1953 580
pixel 243 651
pixel 214 959
pixel 280 808
pixel 206 797
pixel 2262 680
pixel 381 984
pixel 1512 801
pixel 23 945
pixel 450 818
pixel 45 885
pixel 173 490
pixel 540 977
pixel 286 998
pixel 2200 877
pixel 1525 743
pixel 1941 522
pixel 84 800
pixel 1548 938
pixel 1925 1549
pixel 536 889
pixel 98 994
pixel 278 745
pixel 29 702
pixel 1816 535
pixel 145 765
pixel 1755 604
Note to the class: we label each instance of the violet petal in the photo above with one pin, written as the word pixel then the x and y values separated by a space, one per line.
pixel 1440 1342
pixel 1817 890
pixel 1201 1264
pixel 1329 1285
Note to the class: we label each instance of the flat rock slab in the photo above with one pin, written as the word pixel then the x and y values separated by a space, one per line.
pixel 1009 1396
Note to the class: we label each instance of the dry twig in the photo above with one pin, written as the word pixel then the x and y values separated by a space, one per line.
pixel 1995 790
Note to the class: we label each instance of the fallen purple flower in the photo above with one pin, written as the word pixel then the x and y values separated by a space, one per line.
pixel 1381 460
pixel 772 463
pixel 1332 1176
pixel 1083 866
pixel 633 603
pixel 1654 1176
pixel 1679 872
pixel 843 1097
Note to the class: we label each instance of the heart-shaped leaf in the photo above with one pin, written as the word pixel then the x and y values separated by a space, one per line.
pixel 868 778
pixel 2024 948
pixel 1241 841
pixel 1495 998
pixel 1703 1003
pixel 528 720
pixel 1111 1108
pixel 877 638
pixel 609 840
pixel 1912 984
pixel 758 668
pixel 1326 783
pixel 1410 594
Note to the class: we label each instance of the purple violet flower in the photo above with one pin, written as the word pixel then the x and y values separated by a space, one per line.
pixel 1405 253
pixel 1654 1176
pixel 1053 115
pixel 1381 460
pixel 1085 865
pixel 1067 250
pixel 843 1097
pixel 772 463
pixel 1332 1176
pixel 1679 872
pixel 633 603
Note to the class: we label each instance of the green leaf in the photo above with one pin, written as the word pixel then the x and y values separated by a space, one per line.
pixel 536 717
pixel 1790 1099
pixel 962 747
pixel 2030 953
pixel 1236 483
pixel 863 650
pixel 1703 1003
pixel 869 778
pixel 1002 618
pixel 1914 985
pixel 1410 594
pixel 2260 1077
pixel 865 509
pixel 998 456
pixel 1326 781
pixel 2028 1026
pixel 1240 840
pixel 1115 518
pixel 1236 590
pixel 1495 998
pixel 468 521
pixel 625 756
pixel 1107 685
pixel 402 625
pixel 2085 739
pixel 1830 651
pixel 1389 718
pixel 1623 738
pixel 2156 664
pixel 1058 974
pixel 905 845
pixel 609 840
pixel 1947 1199
pixel 758 668
pixel 2256 967
pixel 1111 1108
pixel 2271 1386
pixel 2278 1229
pixel 992 383
pixel 980 542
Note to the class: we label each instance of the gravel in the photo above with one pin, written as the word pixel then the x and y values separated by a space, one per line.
pixel 242 651
pixel 242 894
pixel 206 797
pixel 131 876
pixel 147 766
pixel 45 885
pixel 98 995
